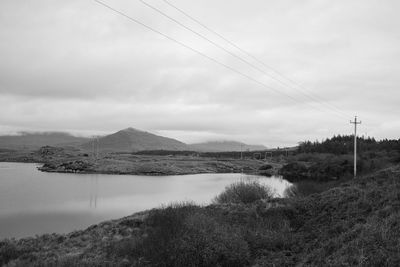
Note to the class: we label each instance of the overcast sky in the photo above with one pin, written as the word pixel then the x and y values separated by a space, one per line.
pixel 77 66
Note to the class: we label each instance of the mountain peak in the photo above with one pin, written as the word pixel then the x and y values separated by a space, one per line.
pixel 130 129
pixel 131 139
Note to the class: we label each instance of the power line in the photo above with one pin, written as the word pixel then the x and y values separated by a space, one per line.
pixel 215 44
pixel 300 87
pixel 200 35
pixel 201 53
pixel 250 55
pixel 195 50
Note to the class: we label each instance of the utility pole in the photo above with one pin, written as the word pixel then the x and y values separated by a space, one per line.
pixel 241 151
pixel 97 148
pixel 93 144
pixel 355 122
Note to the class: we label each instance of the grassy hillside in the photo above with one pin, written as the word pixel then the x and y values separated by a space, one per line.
pixel 353 224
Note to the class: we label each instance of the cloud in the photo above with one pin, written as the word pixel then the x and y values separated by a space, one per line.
pixel 78 66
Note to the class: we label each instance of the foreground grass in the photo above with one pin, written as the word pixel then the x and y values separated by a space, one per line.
pixel 354 224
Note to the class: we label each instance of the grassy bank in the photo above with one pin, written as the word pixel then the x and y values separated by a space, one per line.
pixel 72 160
pixel 153 165
pixel 353 224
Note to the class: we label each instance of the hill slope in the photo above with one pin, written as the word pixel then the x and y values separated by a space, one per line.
pixel 36 140
pixel 130 139
pixel 224 146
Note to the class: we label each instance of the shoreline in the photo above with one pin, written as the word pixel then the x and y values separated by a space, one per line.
pixel 292 221
pixel 68 160
pixel 43 168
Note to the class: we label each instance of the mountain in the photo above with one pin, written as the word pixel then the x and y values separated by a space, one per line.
pixel 127 140
pixel 222 146
pixel 27 140
pixel 130 140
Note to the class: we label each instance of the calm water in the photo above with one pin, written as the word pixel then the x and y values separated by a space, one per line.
pixel 34 202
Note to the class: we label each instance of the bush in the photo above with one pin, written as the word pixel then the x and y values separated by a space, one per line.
pixel 171 217
pixel 265 167
pixel 8 251
pixel 206 242
pixel 183 235
pixel 244 192
pixel 309 187
pixel 164 227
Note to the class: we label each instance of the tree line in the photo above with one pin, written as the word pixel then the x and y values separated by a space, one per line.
pixel 344 144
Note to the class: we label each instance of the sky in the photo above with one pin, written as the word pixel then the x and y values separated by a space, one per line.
pixel 80 67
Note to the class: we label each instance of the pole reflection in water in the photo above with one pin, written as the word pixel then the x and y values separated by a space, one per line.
pixel 94 181
pixel 63 202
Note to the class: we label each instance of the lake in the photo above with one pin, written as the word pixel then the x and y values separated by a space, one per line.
pixel 34 202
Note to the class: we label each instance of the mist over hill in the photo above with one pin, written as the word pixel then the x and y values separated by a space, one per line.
pixel 26 140
pixel 126 140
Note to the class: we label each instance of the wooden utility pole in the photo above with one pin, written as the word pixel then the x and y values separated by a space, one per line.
pixel 266 153
pixel 355 122
pixel 95 147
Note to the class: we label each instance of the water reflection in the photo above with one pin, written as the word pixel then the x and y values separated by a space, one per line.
pixel 34 202
pixel 94 181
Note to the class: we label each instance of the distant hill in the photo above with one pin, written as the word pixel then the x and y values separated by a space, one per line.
pixel 132 140
pixel 223 146
pixel 127 140
pixel 27 140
